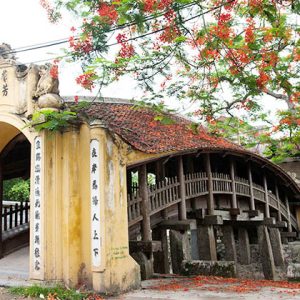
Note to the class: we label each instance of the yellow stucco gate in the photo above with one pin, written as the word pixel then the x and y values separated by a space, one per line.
pixel 78 204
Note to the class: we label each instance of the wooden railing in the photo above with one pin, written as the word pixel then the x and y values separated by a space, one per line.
pixel 166 193
pixel 15 215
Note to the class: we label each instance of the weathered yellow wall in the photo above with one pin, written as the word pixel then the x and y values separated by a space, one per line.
pixel 67 212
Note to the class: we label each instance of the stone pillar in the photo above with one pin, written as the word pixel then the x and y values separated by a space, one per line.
pixel 161 262
pixel 267 208
pixel 182 204
pixel 207 243
pixel 275 239
pixel 229 243
pixel 232 175
pixel 266 253
pixel 180 249
pixel 210 200
pixel 244 246
pixel 143 186
pixel 252 201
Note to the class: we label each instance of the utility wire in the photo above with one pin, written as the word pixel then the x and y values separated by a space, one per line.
pixel 66 40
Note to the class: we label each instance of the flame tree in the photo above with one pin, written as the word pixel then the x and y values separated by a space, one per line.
pixel 221 55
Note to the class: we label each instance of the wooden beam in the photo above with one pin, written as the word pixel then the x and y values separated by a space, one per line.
pixel 252 201
pixel 145 209
pixel 232 175
pixel 267 206
pixel 210 200
pixel 182 204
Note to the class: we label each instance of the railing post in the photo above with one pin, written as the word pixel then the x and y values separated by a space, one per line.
pixel 1 207
pixel 252 201
pixel 278 202
pixel 289 213
pixel 182 204
pixel 210 201
pixel 143 185
pixel 267 207
pixel 232 175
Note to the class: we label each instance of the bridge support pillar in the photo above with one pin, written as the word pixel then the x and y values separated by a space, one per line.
pixel 244 246
pixel 276 244
pixel 229 243
pixel 266 253
pixel 180 249
pixel 207 243
pixel 161 258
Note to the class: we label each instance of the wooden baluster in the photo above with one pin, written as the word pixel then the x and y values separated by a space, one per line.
pixel 27 212
pixel 16 214
pixel 288 213
pixel 182 204
pixel 233 187
pixel 5 219
pixel 267 206
pixel 21 213
pixel 10 217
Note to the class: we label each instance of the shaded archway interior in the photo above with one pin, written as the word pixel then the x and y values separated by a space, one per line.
pixel 15 153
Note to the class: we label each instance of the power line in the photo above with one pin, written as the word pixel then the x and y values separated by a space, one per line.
pixel 66 40
pixel 133 38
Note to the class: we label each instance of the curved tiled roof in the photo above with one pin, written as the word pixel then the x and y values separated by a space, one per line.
pixel 138 128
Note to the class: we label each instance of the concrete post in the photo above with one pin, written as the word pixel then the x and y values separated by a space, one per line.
pixel 275 239
pixel 207 243
pixel 266 253
pixel 229 243
pixel 180 249
pixel 244 246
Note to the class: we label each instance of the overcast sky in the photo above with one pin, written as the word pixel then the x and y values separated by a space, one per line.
pixel 24 23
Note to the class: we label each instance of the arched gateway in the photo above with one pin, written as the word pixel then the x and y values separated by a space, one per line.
pixel 119 175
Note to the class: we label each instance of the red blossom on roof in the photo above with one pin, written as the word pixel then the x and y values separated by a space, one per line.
pixel 139 129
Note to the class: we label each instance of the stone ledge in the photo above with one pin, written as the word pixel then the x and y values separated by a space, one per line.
pixel 209 268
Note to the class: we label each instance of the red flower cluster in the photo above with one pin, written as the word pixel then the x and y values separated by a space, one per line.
pixel 249 32
pixel 152 5
pixel 54 71
pixel 108 13
pixel 127 49
pixel 82 46
pixel 86 80
pixel 262 80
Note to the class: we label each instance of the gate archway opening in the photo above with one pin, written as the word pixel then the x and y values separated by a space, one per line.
pixel 15 157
